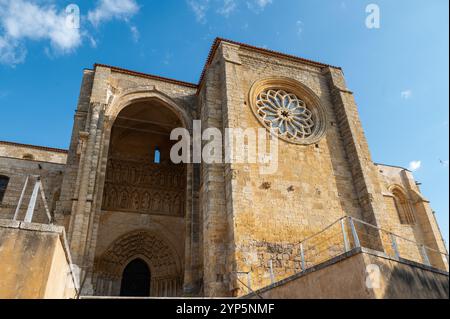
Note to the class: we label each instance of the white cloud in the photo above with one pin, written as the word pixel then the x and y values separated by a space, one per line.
pixel 199 7
pixel 135 33
pixel 33 20
pixel 299 27
pixel 167 58
pixel 92 41
pixel 41 20
pixel 263 3
pixel 227 8
pixel 107 10
pixel 258 5
pixel 406 94
pixel 415 165
pixel 11 52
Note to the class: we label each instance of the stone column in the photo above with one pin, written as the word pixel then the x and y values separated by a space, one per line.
pixel 192 272
pixel 81 216
pixel 96 189
pixel 64 205
pixel 212 191
pixel 363 170
pixel 233 99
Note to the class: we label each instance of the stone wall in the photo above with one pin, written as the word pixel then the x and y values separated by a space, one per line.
pixel 17 170
pixel 31 152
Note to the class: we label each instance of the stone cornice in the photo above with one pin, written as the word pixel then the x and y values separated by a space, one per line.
pixel 41 148
pixel 229 58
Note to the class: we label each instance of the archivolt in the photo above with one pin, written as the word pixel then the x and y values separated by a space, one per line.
pixel 161 258
pixel 143 93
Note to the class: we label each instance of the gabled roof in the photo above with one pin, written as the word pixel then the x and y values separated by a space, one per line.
pixel 145 75
pixel 217 42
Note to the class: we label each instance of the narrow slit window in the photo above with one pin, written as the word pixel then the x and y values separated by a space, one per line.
pixel 4 180
pixel 157 156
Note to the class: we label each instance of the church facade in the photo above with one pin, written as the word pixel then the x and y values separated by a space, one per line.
pixel 137 221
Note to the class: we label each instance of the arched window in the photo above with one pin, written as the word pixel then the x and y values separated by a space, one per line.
pixel 4 180
pixel 404 209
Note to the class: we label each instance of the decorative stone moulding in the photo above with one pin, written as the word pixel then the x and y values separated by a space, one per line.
pixel 289 110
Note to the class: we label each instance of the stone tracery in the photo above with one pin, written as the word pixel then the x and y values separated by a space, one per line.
pixel 289 110
pixel 285 113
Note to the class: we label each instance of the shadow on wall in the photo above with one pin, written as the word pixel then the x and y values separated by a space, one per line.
pixel 416 283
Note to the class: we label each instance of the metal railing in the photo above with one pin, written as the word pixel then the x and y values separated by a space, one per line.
pixel 38 189
pixel 400 247
pixel 348 233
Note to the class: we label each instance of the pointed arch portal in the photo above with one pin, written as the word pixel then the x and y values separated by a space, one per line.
pixel 136 279
pixel 139 263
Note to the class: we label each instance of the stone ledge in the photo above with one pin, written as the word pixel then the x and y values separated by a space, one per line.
pixel 6 223
pixel 325 264
pixel 51 236
pixel 43 228
pixel 404 261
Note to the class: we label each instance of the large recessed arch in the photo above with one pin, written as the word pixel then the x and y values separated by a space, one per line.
pixel 134 188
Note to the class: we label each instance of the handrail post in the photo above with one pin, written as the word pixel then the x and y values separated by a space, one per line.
pixel 249 282
pixel 44 201
pixel 354 233
pixel 425 255
pixel 394 246
pixel 16 213
pixel 344 235
pixel 302 256
pixel 32 203
pixel 272 277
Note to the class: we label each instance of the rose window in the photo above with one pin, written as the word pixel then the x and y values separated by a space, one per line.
pixel 285 114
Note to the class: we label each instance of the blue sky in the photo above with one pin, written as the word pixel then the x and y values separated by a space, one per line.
pixel 399 72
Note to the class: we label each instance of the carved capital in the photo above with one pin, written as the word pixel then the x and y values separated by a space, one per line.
pixel 98 105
